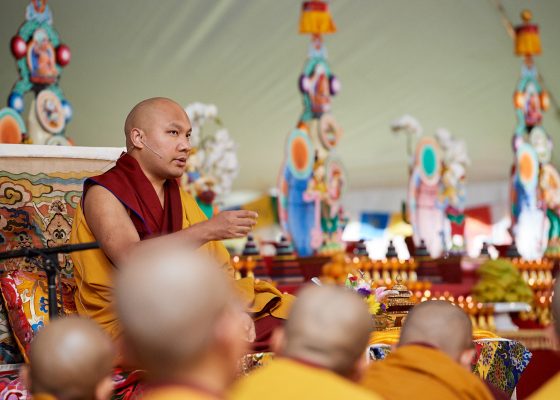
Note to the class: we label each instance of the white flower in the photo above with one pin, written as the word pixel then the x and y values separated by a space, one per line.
pixel 458 170
pixel 228 161
pixel 195 136
pixel 201 154
pixel 211 111
pixel 454 150
pixel 444 138
pixel 407 124
pixel 222 135
pixel 218 147
pixel 216 156
pixel 460 151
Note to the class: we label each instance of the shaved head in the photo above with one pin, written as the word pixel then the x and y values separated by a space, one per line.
pixel 143 113
pixel 440 324
pixel 69 358
pixel 330 326
pixel 157 132
pixel 171 304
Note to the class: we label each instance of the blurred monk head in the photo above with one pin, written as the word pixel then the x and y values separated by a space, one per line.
pixel 180 317
pixel 71 359
pixel 158 134
pixel 328 326
pixel 440 324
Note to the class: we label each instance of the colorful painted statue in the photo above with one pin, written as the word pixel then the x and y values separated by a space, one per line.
pixel 40 58
pixel 312 179
pixel 534 181
pixel 437 189
pixel 550 188
pixel 452 193
pixel 426 213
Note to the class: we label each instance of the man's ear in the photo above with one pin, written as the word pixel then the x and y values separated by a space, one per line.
pixel 466 357
pixel 359 368
pixel 136 138
pixel 230 331
pixel 278 340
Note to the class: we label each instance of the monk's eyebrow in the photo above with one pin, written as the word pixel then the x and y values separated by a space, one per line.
pixel 174 125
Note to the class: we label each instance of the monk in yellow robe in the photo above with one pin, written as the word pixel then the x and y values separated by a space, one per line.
pixel 180 325
pixel 321 350
pixel 139 199
pixel 71 359
pixel 432 360
pixel 551 389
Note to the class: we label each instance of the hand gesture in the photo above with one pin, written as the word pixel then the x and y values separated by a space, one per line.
pixel 231 224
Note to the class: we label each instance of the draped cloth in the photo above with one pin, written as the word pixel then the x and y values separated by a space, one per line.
pixel 93 271
pixel 419 372
pixel 131 187
pixel 285 378
pixel 179 391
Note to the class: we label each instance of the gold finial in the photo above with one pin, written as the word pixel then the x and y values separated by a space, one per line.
pixel 526 15
pixel 527 39
pixel 402 289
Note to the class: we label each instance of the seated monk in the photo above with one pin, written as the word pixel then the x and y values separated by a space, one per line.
pixel 70 359
pixel 432 360
pixel 551 389
pixel 139 199
pixel 180 325
pixel 321 350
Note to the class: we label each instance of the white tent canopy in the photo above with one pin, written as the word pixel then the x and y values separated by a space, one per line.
pixel 448 63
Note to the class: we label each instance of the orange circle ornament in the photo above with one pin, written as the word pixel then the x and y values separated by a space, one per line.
pixel 519 99
pixel 527 166
pixel 300 154
pixel 12 126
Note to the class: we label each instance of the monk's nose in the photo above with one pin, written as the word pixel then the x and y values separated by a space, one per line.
pixel 185 145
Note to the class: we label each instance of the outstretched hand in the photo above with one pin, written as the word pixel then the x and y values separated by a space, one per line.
pixel 231 224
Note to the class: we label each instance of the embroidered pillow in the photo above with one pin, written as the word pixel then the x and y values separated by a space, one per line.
pixel 26 299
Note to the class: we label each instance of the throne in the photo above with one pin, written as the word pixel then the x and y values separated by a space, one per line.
pixel 40 187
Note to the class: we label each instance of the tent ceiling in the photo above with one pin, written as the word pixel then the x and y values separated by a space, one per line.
pixel 448 63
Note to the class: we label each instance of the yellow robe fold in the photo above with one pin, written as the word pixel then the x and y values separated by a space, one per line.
pixel 43 396
pixel 419 372
pixel 549 391
pixel 171 392
pixel 285 379
pixel 93 273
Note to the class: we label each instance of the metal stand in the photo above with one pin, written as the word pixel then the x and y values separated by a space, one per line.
pixel 49 265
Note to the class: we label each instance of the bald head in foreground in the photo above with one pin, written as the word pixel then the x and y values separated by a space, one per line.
pixel 328 326
pixel 320 350
pixel 551 389
pixel 70 359
pixel 442 325
pixel 181 323
pixel 433 358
